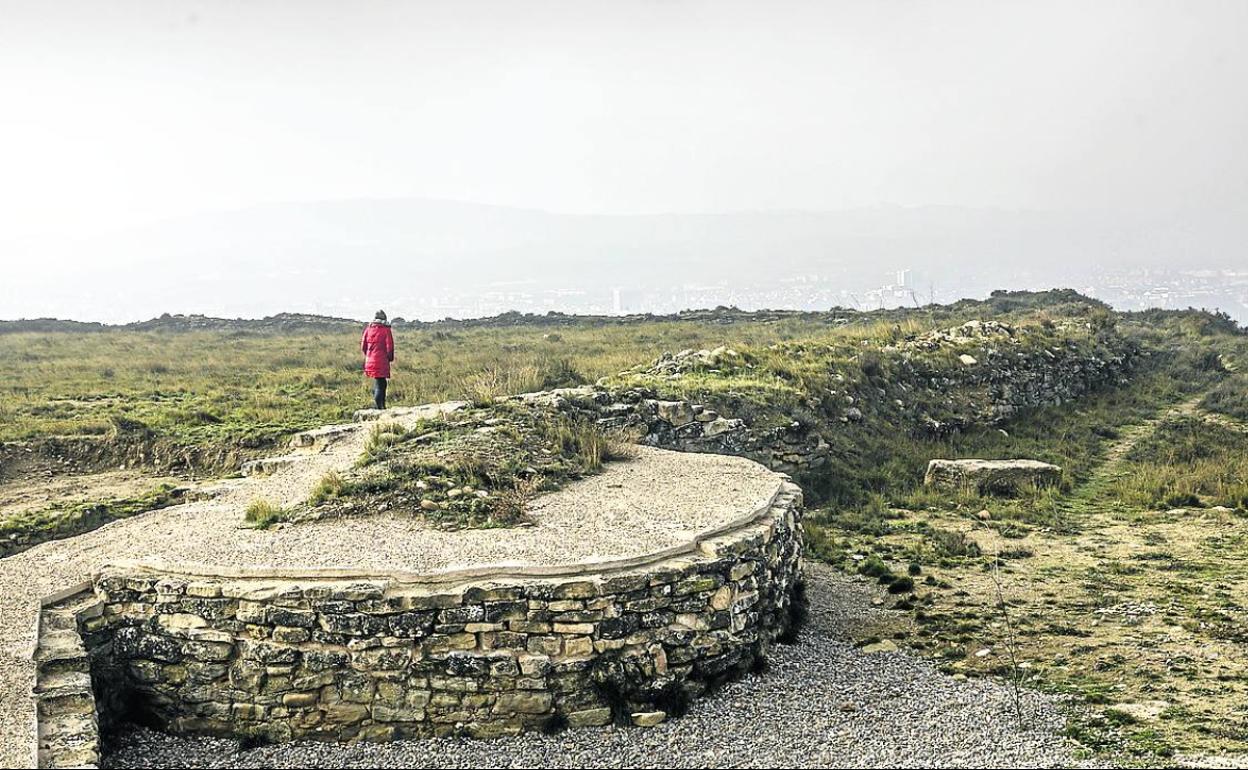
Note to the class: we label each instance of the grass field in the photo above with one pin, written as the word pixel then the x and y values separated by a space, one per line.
pixel 232 386
pixel 215 386
pixel 1124 589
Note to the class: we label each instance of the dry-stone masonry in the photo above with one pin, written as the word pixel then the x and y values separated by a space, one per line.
pixel 1005 376
pixel 372 658
pixel 68 731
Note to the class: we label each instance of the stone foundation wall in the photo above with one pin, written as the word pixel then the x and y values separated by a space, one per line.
pixel 1003 379
pixel 371 658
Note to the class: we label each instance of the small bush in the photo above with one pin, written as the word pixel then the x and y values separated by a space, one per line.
pixel 253 738
pixel 759 665
pixel 382 437
pixel 261 514
pixel 672 699
pixel 510 505
pixel 129 426
pixel 947 543
pixel 554 724
pixel 821 544
pixel 494 382
pixel 588 442
pixel 560 373
pixel 330 487
pixel 901 585
pixel 874 567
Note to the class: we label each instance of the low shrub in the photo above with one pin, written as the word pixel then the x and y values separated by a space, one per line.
pixel 901 585
pixel 261 514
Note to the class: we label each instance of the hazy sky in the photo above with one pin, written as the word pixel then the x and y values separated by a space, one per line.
pixel 113 113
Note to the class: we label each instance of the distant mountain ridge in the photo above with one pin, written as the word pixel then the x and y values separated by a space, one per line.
pixel 344 253
pixel 1000 301
pixel 302 322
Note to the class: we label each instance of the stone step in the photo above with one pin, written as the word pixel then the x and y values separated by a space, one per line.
pixel 65 665
pixel 63 682
pixel 69 740
pixel 402 412
pixel 76 756
pixel 73 696
pixel 60 650
pixel 266 465
pixel 321 437
pixel 66 718
pixel 56 642
pixel 59 621
pixel 64 617
pixel 64 726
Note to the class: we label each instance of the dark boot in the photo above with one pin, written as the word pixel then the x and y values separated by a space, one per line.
pixel 379 393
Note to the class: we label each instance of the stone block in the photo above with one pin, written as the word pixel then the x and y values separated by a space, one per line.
pixel 524 702
pixel 648 718
pixel 590 717
pixel 997 477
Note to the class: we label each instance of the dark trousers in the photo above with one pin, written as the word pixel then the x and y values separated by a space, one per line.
pixel 379 392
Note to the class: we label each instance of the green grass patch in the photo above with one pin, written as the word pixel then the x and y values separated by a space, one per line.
pixel 1229 397
pixel 261 514
pixel 475 467
pixel 1187 462
pixel 20 531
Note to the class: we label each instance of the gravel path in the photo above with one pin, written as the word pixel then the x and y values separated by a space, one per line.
pixel 822 703
pixel 633 508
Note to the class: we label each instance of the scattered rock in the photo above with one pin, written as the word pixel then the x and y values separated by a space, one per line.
pixel 884 645
pixel 649 718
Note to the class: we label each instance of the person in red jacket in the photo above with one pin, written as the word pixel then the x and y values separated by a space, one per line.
pixel 378 347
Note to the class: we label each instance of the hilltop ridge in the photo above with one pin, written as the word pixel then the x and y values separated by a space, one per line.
pixel 1001 301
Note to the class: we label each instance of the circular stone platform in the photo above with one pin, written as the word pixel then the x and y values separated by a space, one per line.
pixel 664 571
pixel 636 508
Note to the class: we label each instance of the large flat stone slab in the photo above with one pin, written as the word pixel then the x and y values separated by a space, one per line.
pixel 992 477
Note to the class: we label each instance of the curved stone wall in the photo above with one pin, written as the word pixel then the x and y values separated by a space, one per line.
pixel 370 657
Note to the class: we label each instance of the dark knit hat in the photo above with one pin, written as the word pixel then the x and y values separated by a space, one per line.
pixel 381 315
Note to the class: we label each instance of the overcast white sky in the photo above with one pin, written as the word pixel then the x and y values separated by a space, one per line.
pixel 113 113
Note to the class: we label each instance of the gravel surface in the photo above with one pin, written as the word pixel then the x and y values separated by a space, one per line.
pixel 633 508
pixel 657 500
pixel 821 703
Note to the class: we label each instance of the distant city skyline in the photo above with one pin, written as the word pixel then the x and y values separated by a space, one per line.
pixel 435 258
pixel 1224 290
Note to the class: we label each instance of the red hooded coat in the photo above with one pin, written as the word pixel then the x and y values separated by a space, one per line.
pixel 378 347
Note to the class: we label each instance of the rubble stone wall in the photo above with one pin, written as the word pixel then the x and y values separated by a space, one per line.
pixel 1003 378
pixel 369 658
